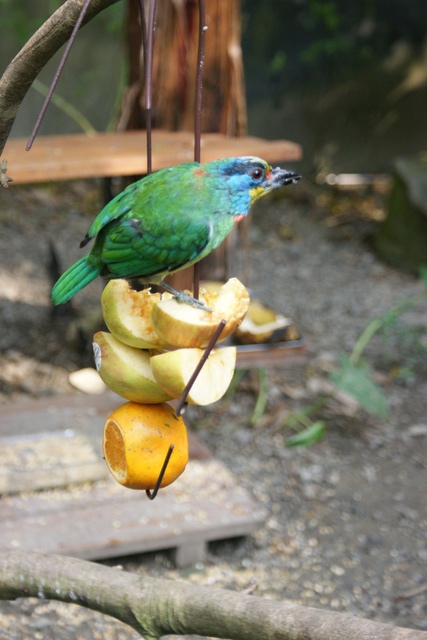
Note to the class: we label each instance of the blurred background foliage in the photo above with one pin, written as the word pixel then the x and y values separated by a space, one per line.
pixel 348 80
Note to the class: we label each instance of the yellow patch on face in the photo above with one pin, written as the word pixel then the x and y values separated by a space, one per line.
pixel 256 192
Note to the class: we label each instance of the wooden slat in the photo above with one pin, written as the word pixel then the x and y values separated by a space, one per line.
pixel 271 355
pixel 76 156
pixel 57 442
pixel 102 519
pixel 105 520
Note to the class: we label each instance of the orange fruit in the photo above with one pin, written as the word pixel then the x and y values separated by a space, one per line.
pixel 136 441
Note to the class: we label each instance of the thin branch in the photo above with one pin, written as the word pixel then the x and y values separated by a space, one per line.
pixel 24 68
pixel 156 607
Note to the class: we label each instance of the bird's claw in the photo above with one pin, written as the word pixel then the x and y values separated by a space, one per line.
pixel 181 296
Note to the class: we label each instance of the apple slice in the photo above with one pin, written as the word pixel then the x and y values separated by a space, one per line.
pixel 127 314
pixel 262 324
pixel 126 370
pixel 182 325
pixel 173 370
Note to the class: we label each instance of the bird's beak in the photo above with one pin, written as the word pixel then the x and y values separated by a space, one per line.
pixel 280 178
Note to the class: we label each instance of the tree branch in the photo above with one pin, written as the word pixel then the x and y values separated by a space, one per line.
pixel 25 66
pixel 157 607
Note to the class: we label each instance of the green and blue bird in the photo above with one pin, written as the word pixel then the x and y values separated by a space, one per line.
pixel 169 220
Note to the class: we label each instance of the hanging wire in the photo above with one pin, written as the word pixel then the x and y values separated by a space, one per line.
pixel 58 73
pixel 147 85
pixel 199 82
pixel 205 355
pixel 198 116
pixel 148 69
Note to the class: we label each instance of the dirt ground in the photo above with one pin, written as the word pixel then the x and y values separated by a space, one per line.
pixel 347 517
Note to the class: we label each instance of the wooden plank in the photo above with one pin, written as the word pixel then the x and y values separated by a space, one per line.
pixel 56 442
pixel 45 460
pixel 105 520
pixel 68 157
pixel 271 355
pixel 101 519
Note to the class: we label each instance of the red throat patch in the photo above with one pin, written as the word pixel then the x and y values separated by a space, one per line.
pixel 237 218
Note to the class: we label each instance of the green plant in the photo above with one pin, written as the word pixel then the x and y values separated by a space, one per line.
pixel 307 431
pixel 354 375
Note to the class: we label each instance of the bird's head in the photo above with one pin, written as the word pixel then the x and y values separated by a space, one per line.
pixel 249 177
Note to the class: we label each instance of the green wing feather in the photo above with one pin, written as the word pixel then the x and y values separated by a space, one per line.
pixel 134 240
pixel 132 248
pixel 74 279
pixel 160 224
pixel 140 192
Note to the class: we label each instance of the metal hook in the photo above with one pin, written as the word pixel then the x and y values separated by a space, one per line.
pixel 152 495
pixel 181 401
pixel 205 355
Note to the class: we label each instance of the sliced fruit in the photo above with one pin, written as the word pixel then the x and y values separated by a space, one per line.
pixel 262 324
pixel 136 441
pixel 182 325
pixel 126 370
pixel 173 370
pixel 127 314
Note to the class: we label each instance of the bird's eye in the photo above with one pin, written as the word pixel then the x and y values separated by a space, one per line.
pixel 257 174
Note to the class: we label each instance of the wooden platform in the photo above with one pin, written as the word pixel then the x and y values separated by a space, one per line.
pixel 49 443
pixel 69 157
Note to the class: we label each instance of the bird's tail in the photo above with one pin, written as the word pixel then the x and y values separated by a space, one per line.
pixel 74 279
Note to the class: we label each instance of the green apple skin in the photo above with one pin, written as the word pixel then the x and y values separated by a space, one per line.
pixel 173 369
pixel 126 370
pixel 127 314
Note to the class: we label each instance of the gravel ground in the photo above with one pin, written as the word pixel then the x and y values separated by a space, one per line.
pixel 347 519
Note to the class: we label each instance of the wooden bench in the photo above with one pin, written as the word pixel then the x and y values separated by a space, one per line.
pixel 105 155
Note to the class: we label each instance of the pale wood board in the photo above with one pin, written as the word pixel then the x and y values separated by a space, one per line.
pixel 96 518
pixel 73 156
pixel 105 520
pixel 252 356
pixel 57 441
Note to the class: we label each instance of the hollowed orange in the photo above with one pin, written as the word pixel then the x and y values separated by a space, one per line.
pixel 136 440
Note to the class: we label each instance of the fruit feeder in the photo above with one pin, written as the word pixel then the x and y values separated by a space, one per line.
pixel 145 440
pixel 137 429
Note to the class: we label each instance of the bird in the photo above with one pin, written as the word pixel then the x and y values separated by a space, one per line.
pixel 168 220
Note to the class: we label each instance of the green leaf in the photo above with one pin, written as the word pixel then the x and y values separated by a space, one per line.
pixel 302 417
pixel 356 380
pixel 261 401
pixel 308 436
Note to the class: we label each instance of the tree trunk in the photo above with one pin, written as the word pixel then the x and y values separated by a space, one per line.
pixel 156 607
pixel 174 67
